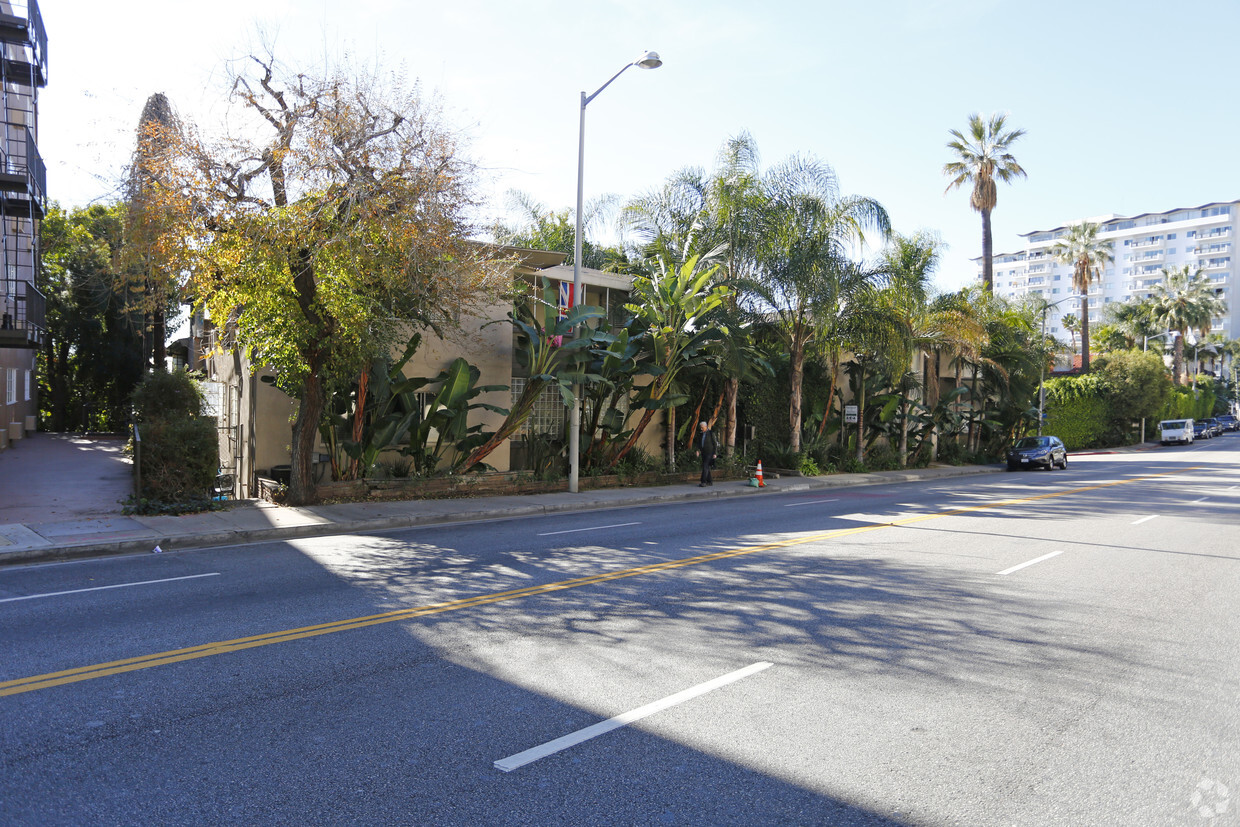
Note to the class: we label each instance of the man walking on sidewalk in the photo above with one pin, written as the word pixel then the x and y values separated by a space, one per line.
pixel 707 449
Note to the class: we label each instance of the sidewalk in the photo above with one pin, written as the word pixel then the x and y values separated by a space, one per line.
pixel 248 521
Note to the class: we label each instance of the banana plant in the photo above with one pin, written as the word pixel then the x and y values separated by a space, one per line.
pixel 550 357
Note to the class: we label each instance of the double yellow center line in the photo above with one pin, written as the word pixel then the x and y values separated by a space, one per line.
pixel 116 667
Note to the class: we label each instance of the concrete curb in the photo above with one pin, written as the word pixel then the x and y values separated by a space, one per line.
pixel 181 541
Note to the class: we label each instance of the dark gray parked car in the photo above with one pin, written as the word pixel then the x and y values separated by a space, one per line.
pixel 1038 452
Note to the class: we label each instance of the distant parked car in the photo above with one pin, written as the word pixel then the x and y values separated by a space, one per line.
pixel 1037 452
pixel 1176 430
pixel 1230 422
pixel 1216 427
pixel 1201 430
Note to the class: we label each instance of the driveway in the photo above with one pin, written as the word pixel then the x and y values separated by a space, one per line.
pixel 59 477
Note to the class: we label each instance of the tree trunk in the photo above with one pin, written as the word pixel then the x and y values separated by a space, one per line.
pixel 359 414
pixel 670 440
pixel 305 431
pixel 796 367
pixel 826 410
pixel 1177 359
pixel 692 430
pixel 731 391
pixel 1085 331
pixel 988 264
pixel 861 415
pixel 903 429
pixel 932 401
pixel 159 339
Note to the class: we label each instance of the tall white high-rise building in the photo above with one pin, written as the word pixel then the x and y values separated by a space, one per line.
pixel 1143 245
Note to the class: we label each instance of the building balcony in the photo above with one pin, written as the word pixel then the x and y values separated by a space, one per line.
pixel 21 25
pixel 23 314
pixel 1146 243
pixel 1148 257
pixel 1211 249
pixel 23 178
pixel 1215 264
pixel 1218 232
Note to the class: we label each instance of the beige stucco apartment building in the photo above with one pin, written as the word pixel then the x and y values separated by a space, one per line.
pixel 255 418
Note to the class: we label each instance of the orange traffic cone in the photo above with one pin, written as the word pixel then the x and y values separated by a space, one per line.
pixel 761 484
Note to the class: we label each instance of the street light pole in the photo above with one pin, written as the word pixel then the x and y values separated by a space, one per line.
pixel 650 60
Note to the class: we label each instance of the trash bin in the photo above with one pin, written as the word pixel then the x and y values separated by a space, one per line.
pixel 281 473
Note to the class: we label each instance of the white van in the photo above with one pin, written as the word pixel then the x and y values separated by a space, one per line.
pixel 1176 430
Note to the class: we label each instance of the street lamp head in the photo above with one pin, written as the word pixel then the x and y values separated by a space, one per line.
pixel 650 60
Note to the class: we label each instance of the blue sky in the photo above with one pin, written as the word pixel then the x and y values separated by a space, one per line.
pixel 1129 106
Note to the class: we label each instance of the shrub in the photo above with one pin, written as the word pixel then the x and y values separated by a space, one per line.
pixel 180 453
pixel 164 395
pixel 1077 411
pixel 180 459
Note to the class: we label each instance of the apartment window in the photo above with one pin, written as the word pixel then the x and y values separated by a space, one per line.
pixel 1171 251
pixel 1190 234
pixel 1054 291
pixel 27 386
pixel 1169 237
pixel 10 386
pixel 1056 277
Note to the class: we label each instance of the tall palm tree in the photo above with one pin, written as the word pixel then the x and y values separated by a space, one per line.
pixel 695 212
pixel 1185 300
pixel 1088 255
pixel 1071 323
pixel 805 231
pixel 982 157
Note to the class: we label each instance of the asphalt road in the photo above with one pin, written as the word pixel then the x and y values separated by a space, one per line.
pixel 1028 648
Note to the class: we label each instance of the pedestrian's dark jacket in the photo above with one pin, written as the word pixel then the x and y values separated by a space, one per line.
pixel 707 445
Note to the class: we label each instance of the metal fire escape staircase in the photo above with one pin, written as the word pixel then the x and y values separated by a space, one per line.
pixel 23 176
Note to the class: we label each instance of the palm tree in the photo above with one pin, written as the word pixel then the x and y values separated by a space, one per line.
pixel 980 159
pixel 695 212
pixel 925 326
pixel 1088 255
pixel 805 230
pixel 1134 320
pixel 1185 300
pixel 1071 323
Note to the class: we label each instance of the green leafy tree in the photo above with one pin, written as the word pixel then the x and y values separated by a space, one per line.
pixel 981 157
pixel 1089 256
pixel 1136 386
pixel 154 256
pixel 320 237
pixel 92 357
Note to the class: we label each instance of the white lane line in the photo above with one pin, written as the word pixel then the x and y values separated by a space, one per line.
pixel 1031 562
pixel 1145 519
pixel 533 754
pixel 591 528
pixel 811 502
pixel 114 586
pixel 1203 499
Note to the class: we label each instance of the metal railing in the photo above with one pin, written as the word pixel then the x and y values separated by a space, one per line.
pixel 22 308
